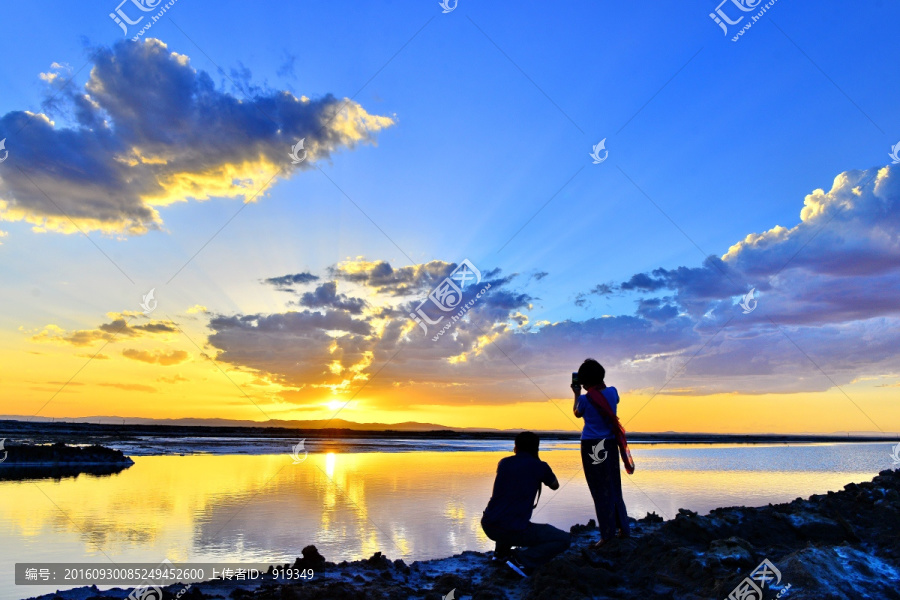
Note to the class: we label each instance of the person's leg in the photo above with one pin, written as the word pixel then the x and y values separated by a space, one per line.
pixel 502 550
pixel 597 476
pixel 619 500
pixel 539 543
pixel 503 547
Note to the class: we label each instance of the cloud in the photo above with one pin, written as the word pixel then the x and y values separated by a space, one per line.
pixel 326 296
pixel 130 387
pixel 336 342
pixel 830 279
pixel 834 309
pixel 94 356
pixel 118 328
pixel 148 130
pixel 296 349
pixel 197 309
pixel 285 282
pixel 287 66
pixel 165 359
pixel 383 278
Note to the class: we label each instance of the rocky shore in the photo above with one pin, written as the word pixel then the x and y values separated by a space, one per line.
pixel 836 546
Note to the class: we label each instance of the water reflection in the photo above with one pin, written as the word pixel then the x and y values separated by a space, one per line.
pixel 13 472
pixel 418 505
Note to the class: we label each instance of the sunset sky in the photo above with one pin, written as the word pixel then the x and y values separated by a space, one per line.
pixel 284 291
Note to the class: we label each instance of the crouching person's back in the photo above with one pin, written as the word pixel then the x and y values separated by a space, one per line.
pixel 507 518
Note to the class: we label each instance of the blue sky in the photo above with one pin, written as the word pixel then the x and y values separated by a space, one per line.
pixel 478 148
pixel 494 109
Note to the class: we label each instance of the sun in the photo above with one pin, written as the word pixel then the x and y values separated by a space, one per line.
pixel 334 404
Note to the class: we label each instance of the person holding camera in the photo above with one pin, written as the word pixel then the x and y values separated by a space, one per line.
pixel 602 441
pixel 507 518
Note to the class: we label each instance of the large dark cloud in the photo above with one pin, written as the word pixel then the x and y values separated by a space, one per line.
pixel 147 130
pixel 309 349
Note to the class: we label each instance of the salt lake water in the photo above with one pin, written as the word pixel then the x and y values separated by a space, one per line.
pixel 414 504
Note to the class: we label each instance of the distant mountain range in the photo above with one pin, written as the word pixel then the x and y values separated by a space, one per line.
pixel 292 424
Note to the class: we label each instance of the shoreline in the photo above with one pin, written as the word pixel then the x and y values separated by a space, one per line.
pixel 836 545
pixel 97 433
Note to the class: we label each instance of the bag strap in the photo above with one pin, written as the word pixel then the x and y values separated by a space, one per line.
pixel 605 411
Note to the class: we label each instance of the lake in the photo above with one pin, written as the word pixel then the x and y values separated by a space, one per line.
pixel 412 505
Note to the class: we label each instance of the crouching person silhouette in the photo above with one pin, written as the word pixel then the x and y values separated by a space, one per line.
pixel 507 518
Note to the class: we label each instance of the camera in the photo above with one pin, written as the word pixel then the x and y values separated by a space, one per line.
pixel 575 379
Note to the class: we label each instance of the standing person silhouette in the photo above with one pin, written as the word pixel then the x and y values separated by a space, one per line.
pixel 507 518
pixel 602 440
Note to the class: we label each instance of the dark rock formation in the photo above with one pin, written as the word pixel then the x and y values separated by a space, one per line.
pixel 30 461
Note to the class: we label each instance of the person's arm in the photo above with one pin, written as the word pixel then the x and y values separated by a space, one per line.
pixel 550 479
pixel 576 389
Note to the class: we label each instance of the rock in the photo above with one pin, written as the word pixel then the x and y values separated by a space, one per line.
pixel 733 552
pixel 452 581
pixel 576 529
pixel 379 561
pixel 311 559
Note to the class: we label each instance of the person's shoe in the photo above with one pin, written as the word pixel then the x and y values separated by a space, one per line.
pixel 514 564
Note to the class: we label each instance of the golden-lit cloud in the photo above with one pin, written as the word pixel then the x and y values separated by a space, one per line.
pixel 130 387
pixel 118 328
pixel 165 359
pixel 151 131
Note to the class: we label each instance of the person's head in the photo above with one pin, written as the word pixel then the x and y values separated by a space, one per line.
pixel 591 373
pixel 527 442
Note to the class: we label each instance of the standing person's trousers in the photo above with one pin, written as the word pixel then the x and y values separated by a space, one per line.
pixel 539 542
pixel 604 479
